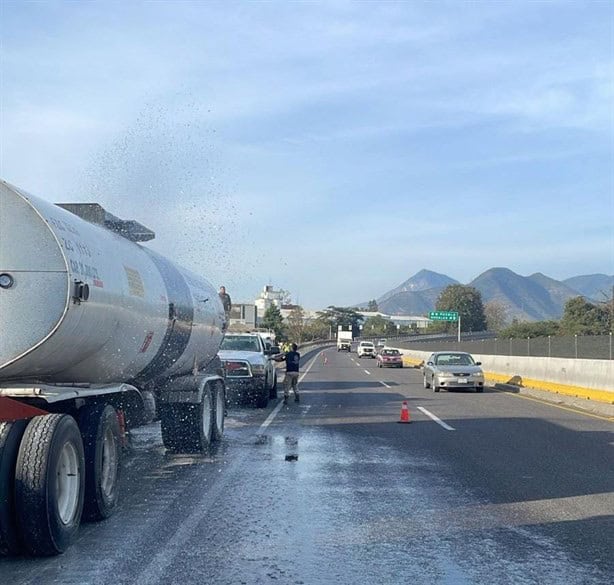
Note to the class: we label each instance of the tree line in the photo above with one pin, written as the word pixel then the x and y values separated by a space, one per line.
pixel 580 317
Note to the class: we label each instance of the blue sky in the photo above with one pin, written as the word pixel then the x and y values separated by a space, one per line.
pixel 332 148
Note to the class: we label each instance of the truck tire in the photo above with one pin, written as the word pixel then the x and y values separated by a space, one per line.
pixel 170 416
pixel 10 438
pixel 102 448
pixel 50 484
pixel 262 397
pixel 219 411
pixel 273 392
pixel 188 428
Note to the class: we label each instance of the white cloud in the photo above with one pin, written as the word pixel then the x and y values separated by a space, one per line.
pixel 237 131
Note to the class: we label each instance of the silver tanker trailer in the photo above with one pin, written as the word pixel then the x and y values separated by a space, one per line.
pixel 94 328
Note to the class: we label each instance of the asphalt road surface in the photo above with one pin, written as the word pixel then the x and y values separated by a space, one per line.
pixel 488 488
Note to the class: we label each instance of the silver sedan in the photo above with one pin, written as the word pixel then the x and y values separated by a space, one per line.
pixel 453 369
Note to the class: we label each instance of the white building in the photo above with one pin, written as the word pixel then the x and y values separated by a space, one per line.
pixel 400 320
pixel 268 297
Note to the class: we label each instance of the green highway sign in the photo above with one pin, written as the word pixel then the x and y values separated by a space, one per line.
pixel 443 316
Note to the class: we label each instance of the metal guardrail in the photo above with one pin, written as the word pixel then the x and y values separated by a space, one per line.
pixel 422 337
pixel 575 346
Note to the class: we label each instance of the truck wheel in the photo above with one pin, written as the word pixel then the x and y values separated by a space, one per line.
pixel 273 392
pixel 262 397
pixel 199 424
pixel 49 483
pixel 219 411
pixel 10 437
pixel 188 428
pixel 170 421
pixel 102 449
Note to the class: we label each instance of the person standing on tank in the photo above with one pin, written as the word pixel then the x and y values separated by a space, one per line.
pixel 226 301
pixel 293 362
pixel 227 304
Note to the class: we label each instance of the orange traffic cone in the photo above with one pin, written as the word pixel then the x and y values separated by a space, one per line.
pixel 404 413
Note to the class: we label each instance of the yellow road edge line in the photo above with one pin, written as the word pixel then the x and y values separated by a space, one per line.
pixel 569 409
pixel 604 396
pixel 411 361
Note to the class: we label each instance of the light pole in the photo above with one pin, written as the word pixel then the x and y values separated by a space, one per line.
pixel 459 326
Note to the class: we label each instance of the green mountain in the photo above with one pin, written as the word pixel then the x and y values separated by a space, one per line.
pixel 593 286
pixel 423 280
pixel 416 295
pixel 527 298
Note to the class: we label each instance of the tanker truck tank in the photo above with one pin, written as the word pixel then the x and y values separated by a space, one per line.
pixel 143 318
pixel 91 324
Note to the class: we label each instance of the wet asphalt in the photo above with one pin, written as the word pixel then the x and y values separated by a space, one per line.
pixel 499 489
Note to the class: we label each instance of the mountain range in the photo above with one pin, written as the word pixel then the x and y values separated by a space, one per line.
pixel 527 298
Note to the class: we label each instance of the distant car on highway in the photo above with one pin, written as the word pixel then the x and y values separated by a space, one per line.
pixel 453 370
pixel 366 349
pixel 250 372
pixel 381 343
pixel 389 358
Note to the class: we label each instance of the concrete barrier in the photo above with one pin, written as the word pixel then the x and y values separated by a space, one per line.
pixel 588 379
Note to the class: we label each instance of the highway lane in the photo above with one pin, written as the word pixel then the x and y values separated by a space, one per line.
pixel 536 464
pixel 518 492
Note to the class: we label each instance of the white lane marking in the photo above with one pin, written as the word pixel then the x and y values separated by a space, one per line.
pixel 313 361
pixel 276 410
pixel 384 384
pixel 271 416
pixel 367 372
pixel 436 419
pixel 152 573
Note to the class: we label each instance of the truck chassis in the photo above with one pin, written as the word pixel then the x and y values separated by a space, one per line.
pixel 61 448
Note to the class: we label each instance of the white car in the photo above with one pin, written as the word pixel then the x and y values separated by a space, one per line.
pixel 366 349
pixel 453 370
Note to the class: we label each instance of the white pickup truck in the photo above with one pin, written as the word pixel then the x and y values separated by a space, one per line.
pixel 250 372
pixel 366 349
